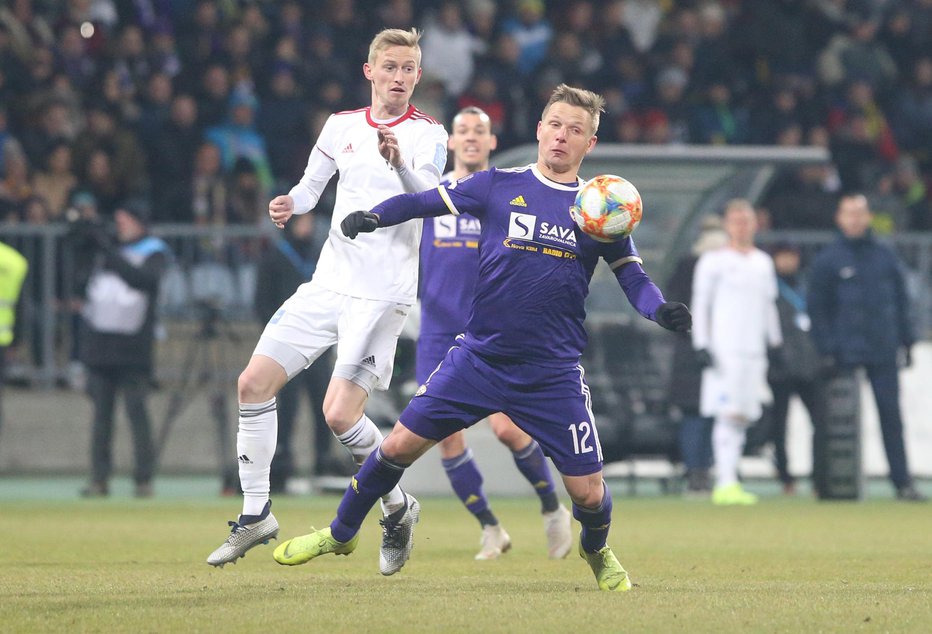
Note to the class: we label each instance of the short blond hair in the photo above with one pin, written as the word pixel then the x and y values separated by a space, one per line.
pixel 591 102
pixel 738 204
pixel 395 37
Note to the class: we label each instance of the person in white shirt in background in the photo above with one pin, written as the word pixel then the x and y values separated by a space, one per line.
pixel 358 298
pixel 735 326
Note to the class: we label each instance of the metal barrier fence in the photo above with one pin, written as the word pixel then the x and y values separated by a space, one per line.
pixel 212 280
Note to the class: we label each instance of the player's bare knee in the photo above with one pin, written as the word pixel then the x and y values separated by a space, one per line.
pixel 403 446
pixel 453 445
pixel 253 387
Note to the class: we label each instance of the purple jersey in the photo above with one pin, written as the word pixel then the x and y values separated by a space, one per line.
pixel 449 266
pixel 534 263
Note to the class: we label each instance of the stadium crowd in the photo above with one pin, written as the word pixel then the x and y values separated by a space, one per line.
pixel 209 107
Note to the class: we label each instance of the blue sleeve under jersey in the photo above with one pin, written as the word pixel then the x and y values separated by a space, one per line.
pixel 626 263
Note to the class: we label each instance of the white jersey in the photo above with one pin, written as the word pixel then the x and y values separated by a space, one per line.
pixel 381 265
pixel 734 303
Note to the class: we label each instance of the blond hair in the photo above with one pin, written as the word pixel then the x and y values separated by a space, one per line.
pixel 395 37
pixel 591 102
pixel 738 204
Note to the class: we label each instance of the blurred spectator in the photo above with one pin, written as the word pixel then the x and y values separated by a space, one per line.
pixel 802 198
pixel 97 177
pixel 532 31
pixel 105 132
pixel 239 138
pixel 447 48
pixel 163 50
pixel 208 188
pixel 247 199
pixel 571 60
pixel 155 107
pixel 55 182
pixel 200 37
pixel 860 317
pixel 718 120
pixel 798 370
pixel 53 124
pixel 669 98
pixel 213 96
pixel 642 20
pixel 15 182
pixel 25 28
pixel 74 58
pixel 171 159
pixel 695 438
pixel 911 112
pixel 241 58
pixel 8 143
pixel 857 53
pixel 715 59
pixel 282 125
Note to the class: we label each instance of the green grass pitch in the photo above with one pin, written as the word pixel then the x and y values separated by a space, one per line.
pixel 787 565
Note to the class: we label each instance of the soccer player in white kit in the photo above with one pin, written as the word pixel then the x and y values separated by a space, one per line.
pixel 359 296
pixel 735 323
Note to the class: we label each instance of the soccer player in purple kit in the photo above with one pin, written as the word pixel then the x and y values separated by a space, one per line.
pixel 522 345
pixel 449 266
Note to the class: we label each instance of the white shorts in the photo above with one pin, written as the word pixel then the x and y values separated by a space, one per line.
pixel 365 332
pixel 735 386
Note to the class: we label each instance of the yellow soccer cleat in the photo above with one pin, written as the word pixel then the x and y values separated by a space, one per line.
pixel 609 573
pixel 732 495
pixel 302 549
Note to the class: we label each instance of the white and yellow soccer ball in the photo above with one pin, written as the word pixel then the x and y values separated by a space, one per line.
pixel 607 208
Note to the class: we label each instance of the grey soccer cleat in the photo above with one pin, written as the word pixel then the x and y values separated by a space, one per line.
pixel 398 538
pixel 248 531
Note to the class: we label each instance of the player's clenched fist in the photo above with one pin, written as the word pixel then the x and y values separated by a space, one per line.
pixel 674 316
pixel 359 222
pixel 280 210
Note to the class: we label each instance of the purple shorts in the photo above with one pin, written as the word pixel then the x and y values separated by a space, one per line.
pixel 552 405
pixel 431 349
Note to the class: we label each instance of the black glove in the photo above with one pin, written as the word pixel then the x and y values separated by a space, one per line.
pixel 359 222
pixel 674 316
pixel 907 358
pixel 703 359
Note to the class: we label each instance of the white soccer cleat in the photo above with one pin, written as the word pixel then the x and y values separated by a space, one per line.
pixel 398 538
pixel 247 532
pixel 495 542
pixel 557 528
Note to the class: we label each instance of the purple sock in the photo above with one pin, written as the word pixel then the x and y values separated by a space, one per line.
pixel 467 484
pixel 377 476
pixel 595 522
pixel 533 465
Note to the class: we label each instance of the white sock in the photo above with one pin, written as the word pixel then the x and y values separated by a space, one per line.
pixel 728 436
pixel 361 440
pixel 255 446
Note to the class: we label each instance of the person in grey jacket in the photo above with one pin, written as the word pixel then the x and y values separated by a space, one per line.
pixel 860 317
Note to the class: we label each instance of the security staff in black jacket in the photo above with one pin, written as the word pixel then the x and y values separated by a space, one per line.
pixel 795 368
pixel 117 339
pixel 860 317
pixel 289 262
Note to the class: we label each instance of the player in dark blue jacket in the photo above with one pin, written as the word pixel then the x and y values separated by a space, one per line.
pixel 521 350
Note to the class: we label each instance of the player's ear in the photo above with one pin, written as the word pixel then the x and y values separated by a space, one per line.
pixel 367 71
pixel 420 71
pixel 539 124
pixel 493 142
pixel 592 141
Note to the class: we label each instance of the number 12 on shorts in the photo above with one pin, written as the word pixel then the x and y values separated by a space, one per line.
pixel 581 434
